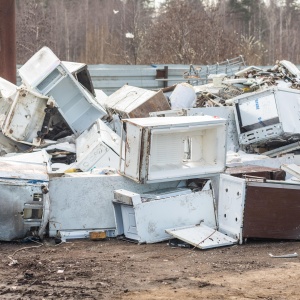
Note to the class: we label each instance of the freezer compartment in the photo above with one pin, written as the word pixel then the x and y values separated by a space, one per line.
pixel 164 149
pixel 146 221
pixel 225 112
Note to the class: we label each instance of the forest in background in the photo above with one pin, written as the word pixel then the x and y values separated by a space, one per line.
pixel 177 32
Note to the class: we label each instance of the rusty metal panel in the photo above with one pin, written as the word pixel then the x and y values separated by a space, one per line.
pixel 8 40
pixel 258 171
pixel 272 211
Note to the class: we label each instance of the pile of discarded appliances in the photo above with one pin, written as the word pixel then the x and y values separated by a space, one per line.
pixel 210 165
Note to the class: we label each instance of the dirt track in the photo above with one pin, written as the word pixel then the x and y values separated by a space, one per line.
pixel 117 269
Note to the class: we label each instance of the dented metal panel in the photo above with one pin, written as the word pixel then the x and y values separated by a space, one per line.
pixel 272 210
pixel 173 148
pixel 146 221
pixel 83 201
pixel 232 191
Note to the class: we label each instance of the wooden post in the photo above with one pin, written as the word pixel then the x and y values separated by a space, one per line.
pixel 8 40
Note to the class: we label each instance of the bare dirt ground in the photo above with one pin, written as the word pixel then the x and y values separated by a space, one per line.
pixel 116 269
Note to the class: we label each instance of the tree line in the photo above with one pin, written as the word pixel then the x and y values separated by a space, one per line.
pixel 176 32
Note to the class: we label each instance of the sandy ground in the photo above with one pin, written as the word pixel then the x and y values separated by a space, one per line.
pixel 116 269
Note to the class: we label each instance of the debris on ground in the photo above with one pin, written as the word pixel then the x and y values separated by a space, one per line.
pixel 210 164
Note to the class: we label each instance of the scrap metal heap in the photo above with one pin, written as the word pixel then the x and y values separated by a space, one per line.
pixel 211 164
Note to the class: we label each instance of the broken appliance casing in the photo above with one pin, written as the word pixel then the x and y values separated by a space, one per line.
pixel 268 115
pixel 18 196
pixel 98 147
pixel 256 171
pixel 24 200
pixel 81 73
pixel 231 206
pixel 257 209
pixel 165 149
pixel 201 236
pixel 83 201
pixel 7 94
pixel 25 120
pixel 46 74
pixel 145 218
pixel 134 102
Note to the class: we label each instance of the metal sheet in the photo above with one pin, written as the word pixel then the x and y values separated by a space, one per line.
pixel 13 195
pixel 289 114
pixel 146 222
pixel 202 237
pixel 272 211
pixel 259 171
pixel 231 206
pixel 258 110
pixel 292 169
pixel 83 201
pixel 31 167
pixel 282 150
